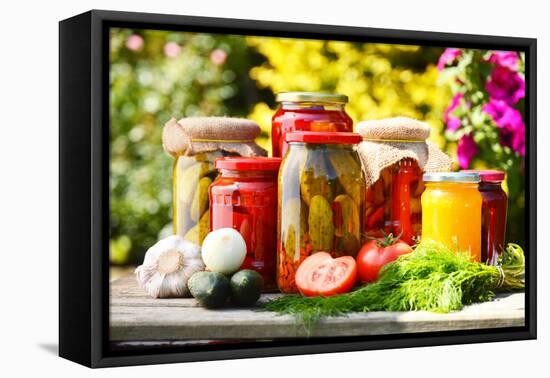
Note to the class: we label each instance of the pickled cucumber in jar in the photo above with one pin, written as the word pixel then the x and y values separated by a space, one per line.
pixel 195 143
pixel 192 176
pixel 321 197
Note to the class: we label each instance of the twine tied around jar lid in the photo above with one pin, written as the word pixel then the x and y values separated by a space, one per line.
pixel 193 135
pixel 387 141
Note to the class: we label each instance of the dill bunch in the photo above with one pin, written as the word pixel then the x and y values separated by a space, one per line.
pixel 431 278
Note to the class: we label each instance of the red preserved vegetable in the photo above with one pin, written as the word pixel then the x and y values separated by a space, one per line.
pixel 244 197
pixel 307 111
pixel 395 152
pixel 393 202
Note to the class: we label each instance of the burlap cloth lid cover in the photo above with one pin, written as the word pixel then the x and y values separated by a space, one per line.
pixel 387 141
pixel 193 135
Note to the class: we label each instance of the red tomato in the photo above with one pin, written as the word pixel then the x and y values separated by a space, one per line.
pixel 377 253
pixel 320 274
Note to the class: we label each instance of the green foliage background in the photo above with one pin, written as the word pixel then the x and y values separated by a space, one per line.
pixel 176 74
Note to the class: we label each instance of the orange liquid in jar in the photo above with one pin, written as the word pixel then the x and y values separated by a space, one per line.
pixel 451 215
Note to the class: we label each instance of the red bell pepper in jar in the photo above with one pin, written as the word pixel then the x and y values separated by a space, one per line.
pixel 406 209
pixel 308 111
pixel 395 152
pixel 244 197
pixel 392 203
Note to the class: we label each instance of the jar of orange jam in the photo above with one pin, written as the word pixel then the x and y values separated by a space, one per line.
pixel 451 211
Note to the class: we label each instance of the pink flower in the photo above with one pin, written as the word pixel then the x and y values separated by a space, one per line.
pixel 448 57
pixel 172 49
pixel 218 57
pixel 515 139
pixel 505 84
pixel 510 124
pixel 502 113
pixel 134 42
pixel 452 121
pixel 466 150
pixel 508 59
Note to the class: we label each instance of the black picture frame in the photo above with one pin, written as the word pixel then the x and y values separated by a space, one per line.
pixel 84 192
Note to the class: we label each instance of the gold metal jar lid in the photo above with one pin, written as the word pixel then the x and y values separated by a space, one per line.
pixel 311 97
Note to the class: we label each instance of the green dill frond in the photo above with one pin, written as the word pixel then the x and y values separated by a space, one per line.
pixel 431 278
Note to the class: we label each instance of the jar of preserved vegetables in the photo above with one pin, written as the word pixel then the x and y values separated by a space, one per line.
pixel 493 218
pixel 321 194
pixel 308 111
pixel 395 153
pixel 393 204
pixel 195 143
pixel 451 211
pixel 244 197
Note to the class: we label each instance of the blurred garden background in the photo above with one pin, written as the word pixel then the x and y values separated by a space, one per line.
pixel 473 99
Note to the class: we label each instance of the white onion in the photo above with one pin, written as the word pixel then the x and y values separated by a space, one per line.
pixel 223 250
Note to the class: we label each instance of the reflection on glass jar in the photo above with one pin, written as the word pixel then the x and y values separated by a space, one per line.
pixel 321 194
pixel 244 197
pixel 308 111
pixel 451 211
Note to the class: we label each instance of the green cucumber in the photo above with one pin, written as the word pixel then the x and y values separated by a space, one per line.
pixel 210 289
pixel 246 287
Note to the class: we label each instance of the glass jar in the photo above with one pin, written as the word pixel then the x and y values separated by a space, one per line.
pixel 392 203
pixel 192 176
pixel 308 111
pixel 493 218
pixel 321 194
pixel 195 143
pixel 451 211
pixel 244 197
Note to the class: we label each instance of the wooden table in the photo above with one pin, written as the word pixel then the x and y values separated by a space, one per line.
pixel 136 317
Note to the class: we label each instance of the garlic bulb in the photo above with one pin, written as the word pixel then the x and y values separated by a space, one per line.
pixel 167 267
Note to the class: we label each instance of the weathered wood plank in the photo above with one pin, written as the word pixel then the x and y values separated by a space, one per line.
pixel 126 292
pixel 134 316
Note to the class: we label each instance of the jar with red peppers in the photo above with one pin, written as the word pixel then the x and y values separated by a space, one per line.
pixel 244 197
pixel 308 111
pixel 392 204
pixel 493 214
pixel 395 153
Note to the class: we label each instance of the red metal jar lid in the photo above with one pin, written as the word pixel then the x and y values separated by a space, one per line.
pixel 487 175
pixel 322 137
pixel 238 163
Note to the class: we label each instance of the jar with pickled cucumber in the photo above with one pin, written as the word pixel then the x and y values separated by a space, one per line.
pixel 192 177
pixel 195 143
pixel 320 204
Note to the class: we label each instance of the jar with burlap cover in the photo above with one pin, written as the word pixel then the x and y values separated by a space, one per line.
pixel 395 153
pixel 195 143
